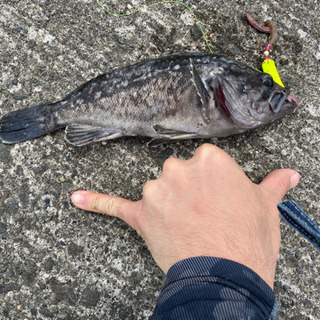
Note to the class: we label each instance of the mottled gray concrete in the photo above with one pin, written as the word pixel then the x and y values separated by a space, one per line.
pixel 57 262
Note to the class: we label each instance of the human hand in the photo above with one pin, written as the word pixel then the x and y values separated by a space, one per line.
pixel 204 206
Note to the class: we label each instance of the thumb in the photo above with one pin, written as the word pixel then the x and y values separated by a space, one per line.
pixel 106 204
pixel 280 181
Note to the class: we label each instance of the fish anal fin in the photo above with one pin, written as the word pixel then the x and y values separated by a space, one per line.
pixel 82 134
pixel 202 92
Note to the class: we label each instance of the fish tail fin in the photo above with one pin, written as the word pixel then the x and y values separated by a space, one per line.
pixel 26 124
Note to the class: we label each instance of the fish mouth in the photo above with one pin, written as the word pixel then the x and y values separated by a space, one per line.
pixel 280 102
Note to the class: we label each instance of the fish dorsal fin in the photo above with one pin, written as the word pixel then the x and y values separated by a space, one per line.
pixel 201 91
pixel 82 134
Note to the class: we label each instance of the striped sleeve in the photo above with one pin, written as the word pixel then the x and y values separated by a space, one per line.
pixel 214 288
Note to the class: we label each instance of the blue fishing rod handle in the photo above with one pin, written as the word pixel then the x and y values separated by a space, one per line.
pixel 300 221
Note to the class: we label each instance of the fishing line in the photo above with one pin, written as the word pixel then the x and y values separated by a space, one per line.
pixel 155 4
pixel 270 28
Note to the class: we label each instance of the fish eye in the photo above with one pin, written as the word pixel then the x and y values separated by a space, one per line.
pixel 266 79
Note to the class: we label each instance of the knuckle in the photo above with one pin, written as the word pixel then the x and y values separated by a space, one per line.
pixel 154 189
pixel 110 206
pixel 106 205
pixel 98 203
pixel 172 166
pixel 170 163
pixel 149 188
pixel 94 202
pixel 206 151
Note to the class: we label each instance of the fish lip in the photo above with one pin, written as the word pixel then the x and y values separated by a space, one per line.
pixel 284 101
pixel 292 98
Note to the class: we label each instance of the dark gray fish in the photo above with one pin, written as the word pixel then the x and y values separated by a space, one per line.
pixel 181 96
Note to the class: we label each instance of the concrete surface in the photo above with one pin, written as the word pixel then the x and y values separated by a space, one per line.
pixel 57 262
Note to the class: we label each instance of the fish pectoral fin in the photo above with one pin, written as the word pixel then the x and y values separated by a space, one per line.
pixel 82 134
pixel 172 134
pixel 202 92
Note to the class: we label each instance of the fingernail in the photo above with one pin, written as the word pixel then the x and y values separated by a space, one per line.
pixel 294 180
pixel 77 198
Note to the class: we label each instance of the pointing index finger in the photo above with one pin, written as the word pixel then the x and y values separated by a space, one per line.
pixel 98 202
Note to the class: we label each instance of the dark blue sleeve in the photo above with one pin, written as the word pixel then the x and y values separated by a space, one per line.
pixel 214 288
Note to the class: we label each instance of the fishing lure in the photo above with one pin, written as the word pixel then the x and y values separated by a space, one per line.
pixel 268 65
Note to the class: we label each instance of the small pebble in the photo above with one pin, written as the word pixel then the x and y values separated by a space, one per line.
pixel 195 33
pixel 18 30
pixel 15 82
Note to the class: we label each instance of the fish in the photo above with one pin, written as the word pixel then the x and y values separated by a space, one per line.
pixel 185 95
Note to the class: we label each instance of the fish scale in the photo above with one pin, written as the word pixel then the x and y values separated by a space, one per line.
pixel 180 96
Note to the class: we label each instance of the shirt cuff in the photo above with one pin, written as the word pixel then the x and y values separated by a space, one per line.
pixel 214 288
